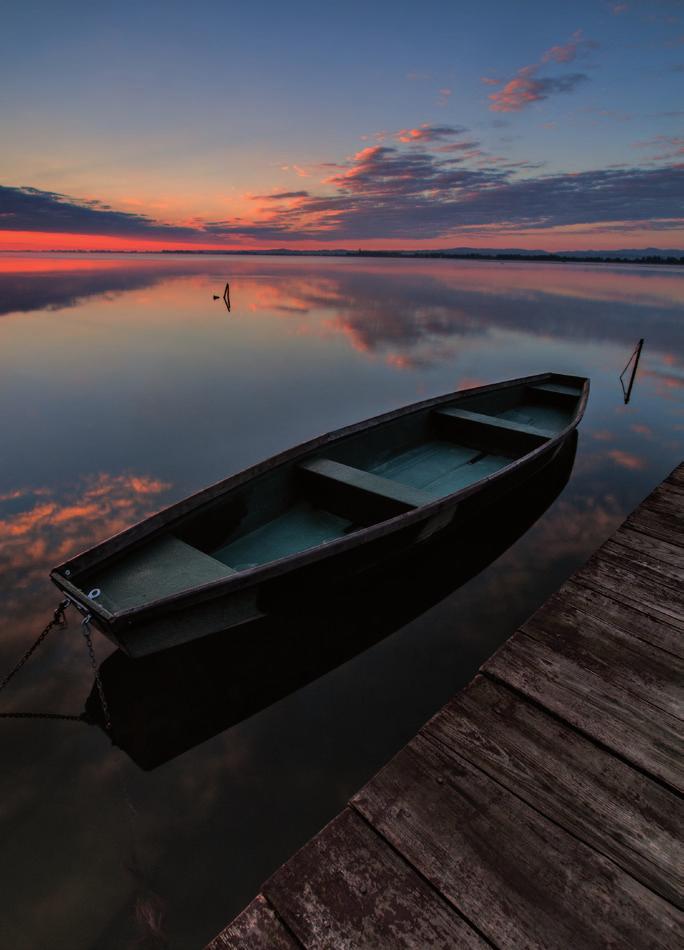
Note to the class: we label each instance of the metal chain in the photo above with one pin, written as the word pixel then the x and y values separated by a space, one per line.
pixel 85 623
pixel 57 621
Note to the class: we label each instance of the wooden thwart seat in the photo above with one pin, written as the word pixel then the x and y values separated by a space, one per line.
pixel 558 389
pixel 495 422
pixel 358 494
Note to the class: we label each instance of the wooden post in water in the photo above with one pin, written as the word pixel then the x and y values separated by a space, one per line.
pixel 226 296
pixel 635 356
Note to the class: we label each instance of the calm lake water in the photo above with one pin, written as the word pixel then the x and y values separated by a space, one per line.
pixel 123 387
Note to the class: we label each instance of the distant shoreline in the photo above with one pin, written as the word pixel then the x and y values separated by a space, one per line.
pixel 540 257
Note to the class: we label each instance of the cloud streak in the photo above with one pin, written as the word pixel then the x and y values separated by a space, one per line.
pixel 429 133
pixel 428 185
pixel 567 52
pixel 432 181
pixel 417 195
pixel 30 209
pixel 527 86
pixel 281 196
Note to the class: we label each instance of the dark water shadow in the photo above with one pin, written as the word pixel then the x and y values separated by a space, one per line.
pixel 165 704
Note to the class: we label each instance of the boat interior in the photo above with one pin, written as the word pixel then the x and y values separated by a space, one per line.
pixel 361 479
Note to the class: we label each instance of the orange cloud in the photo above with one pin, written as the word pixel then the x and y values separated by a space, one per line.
pixel 57 527
pixel 53 527
pixel 517 92
pixel 425 132
pixel 527 87
pixel 665 381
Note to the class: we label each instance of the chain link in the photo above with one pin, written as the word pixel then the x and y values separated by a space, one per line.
pixel 57 621
pixel 85 623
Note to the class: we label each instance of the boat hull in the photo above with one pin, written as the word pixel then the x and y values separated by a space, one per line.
pixel 316 517
pixel 301 585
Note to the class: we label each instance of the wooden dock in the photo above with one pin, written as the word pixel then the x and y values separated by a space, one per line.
pixel 541 808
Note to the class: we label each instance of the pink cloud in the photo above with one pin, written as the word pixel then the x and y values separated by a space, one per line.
pixel 526 87
pixel 490 80
pixel 567 52
pixel 429 133
pixel 672 147
pixel 50 529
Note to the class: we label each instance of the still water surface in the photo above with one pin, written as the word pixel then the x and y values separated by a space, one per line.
pixel 123 387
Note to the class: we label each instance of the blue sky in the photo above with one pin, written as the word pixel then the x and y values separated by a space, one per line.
pixel 181 115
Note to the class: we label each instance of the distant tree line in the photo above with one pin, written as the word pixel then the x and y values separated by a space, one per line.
pixel 443 255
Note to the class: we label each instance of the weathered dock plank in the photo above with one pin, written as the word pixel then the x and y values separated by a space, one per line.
pixel 636 622
pixel 590 793
pixel 358 893
pixel 257 928
pixel 633 586
pixel 668 497
pixel 629 664
pixel 655 522
pixel 676 478
pixel 657 558
pixel 524 880
pixel 540 808
pixel 602 710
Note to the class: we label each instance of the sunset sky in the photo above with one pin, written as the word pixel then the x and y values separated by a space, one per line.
pixel 397 124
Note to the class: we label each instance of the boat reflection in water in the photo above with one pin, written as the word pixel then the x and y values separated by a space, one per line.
pixel 165 704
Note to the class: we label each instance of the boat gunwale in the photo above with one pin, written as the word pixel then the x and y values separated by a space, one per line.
pixel 146 529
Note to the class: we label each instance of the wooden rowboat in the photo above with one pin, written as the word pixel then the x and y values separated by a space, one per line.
pixel 225 679
pixel 320 513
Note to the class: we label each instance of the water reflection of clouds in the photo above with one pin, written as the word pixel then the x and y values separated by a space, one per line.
pixel 626 459
pixel 665 382
pixel 384 303
pixel 40 527
pixel 246 799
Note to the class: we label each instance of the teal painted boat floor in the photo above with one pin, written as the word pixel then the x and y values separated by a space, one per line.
pixel 299 528
pixel 440 468
pixel 159 569
pixel 532 414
